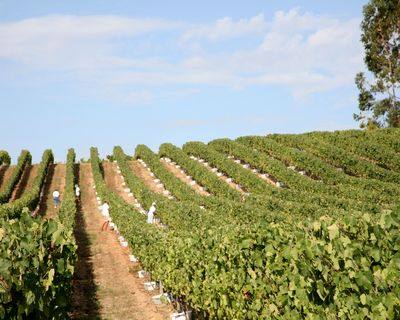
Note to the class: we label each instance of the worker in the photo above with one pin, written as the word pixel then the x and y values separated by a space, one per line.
pixel 105 211
pixel 77 191
pixel 150 213
pixel 56 198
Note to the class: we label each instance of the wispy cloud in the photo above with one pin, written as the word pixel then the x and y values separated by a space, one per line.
pixel 302 51
pixel 226 28
pixel 66 40
pixel 215 122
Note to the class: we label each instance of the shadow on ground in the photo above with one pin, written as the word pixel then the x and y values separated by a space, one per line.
pixel 84 301
pixel 22 183
pixel 3 170
pixel 46 189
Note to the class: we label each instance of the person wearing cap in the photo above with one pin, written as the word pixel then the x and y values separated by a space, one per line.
pixel 56 198
pixel 150 213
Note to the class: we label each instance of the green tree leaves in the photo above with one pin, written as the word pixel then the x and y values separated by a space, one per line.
pixel 379 101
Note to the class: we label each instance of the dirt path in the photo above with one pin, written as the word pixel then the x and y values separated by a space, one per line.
pixel 265 176
pixel 5 174
pixel 146 177
pixel 115 181
pixel 120 294
pixel 183 177
pixel 25 182
pixel 55 180
pixel 220 175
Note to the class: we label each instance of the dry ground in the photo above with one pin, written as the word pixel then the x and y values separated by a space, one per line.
pixel 5 174
pixel 104 264
pixel 55 180
pixel 25 182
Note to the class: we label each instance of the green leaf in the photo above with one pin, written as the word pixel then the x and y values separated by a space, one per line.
pixel 316 225
pixel 47 283
pixel 363 299
pixel 333 231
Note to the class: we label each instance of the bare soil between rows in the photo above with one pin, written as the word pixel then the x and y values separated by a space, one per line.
pixel 55 180
pixel 140 171
pixel 106 285
pixel 25 182
pixel 183 177
pixel 5 175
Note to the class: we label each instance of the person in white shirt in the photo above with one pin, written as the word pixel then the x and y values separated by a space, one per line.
pixel 150 213
pixel 77 191
pixel 56 198
pixel 105 211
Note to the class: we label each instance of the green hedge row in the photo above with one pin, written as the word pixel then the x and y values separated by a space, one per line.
pixel 354 188
pixel 264 192
pixel 37 256
pixel 24 160
pixel 371 145
pixel 337 156
pixel 322 269
pixel 180 189
pixel 4 157
pixel 302 187
pixel 68 208
pixel 190 213
pixel 202 175
pixel 260 206
pixel 31 198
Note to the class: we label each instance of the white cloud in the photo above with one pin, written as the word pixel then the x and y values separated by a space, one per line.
pixel 302 51
pixel 293 21
pixel 226 28
pixel 67 40
pixel 305 52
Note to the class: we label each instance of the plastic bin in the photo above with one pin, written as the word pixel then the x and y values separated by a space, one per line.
pixel 132 258
pixel 150 286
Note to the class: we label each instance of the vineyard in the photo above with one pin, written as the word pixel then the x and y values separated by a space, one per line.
pixel 281 226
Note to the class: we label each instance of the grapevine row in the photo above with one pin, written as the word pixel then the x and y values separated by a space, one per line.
pixel 370 146
pixel 30 198
pixel 338 157
pixel 266 270
pixel 4 158
pixel 24 160
pixel 355 188
pixel 37 255
pixel 302 187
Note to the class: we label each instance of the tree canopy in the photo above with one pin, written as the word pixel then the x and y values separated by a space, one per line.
pixel 379 97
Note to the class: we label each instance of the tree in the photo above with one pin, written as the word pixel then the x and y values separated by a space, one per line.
pixel 379 96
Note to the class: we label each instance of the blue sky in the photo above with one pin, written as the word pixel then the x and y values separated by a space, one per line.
pixel 83 73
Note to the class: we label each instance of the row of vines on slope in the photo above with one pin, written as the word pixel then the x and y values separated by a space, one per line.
pixel 4 158
pixel 260 206
pixel 302 187
pixel 373 146
pixel 24 160
pixel 338 157
pixel 37 255
pixel 188 209
pixel 31 198
pixel 263 192
pixel 269 209
pixel 199 173
pixel 270 265
pixel 355 188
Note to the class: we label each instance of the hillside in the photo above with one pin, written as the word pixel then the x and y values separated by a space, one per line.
pixel 260 227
